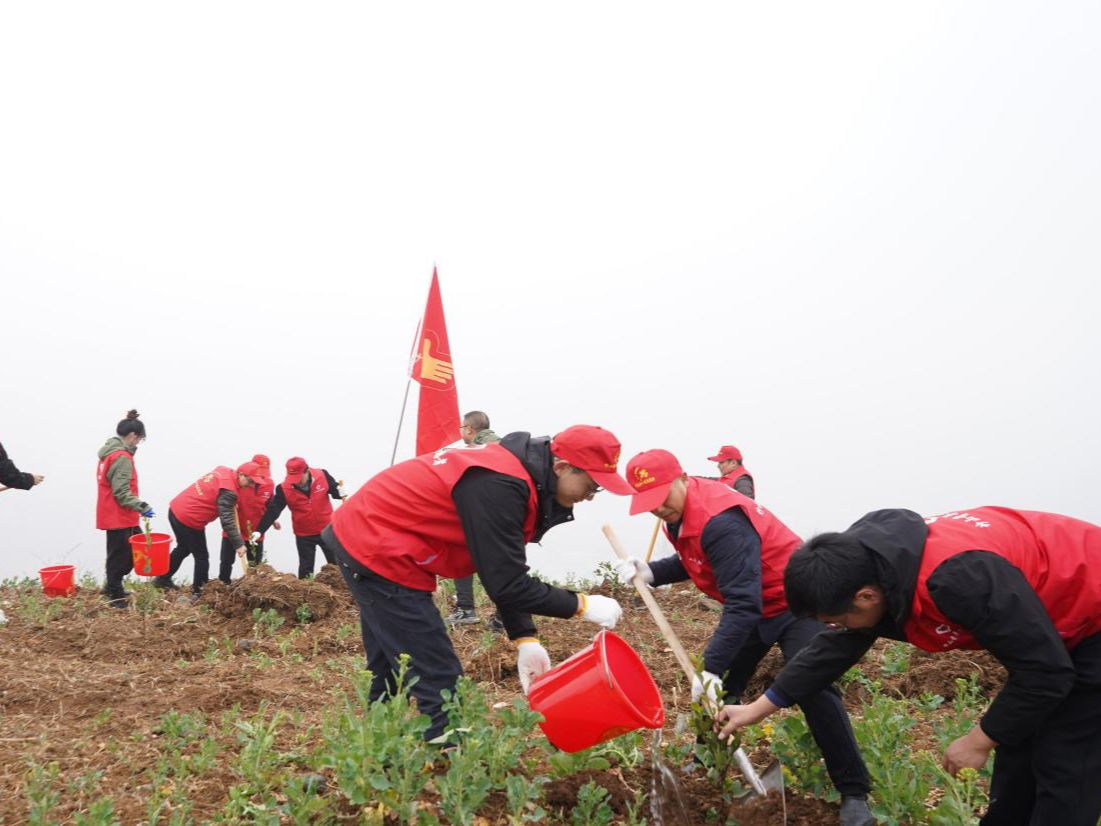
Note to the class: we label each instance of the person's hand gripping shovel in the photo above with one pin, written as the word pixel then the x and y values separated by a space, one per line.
pixel 761 785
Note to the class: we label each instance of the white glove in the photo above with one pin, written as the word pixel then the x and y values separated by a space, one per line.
pixel 254 537
pixel 710 686
pixel 603 611
pixel 532 660
pixel 628 568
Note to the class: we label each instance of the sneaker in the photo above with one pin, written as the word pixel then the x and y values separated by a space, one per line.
pixel 165 583
pixel 462 616
pixel 495 624
pixel 855 812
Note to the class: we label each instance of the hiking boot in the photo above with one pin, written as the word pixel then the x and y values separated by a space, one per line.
pixel 462 616
pixel 165 583
pixel 117 597
pixel 855 811
pixel 495 624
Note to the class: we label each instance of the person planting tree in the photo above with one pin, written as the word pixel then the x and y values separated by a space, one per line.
pixel 118 506
pixel 252 501
pixel 1024 585
pixel 735 551
pixel 453 513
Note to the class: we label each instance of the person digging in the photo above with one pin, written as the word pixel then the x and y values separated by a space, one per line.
pixel 735 552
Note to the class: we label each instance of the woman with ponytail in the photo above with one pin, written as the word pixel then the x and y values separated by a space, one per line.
pixel 118 506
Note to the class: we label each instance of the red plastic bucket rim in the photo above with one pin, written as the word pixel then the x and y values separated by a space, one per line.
pixel 55 569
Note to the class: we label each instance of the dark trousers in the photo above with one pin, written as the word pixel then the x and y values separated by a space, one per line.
pixel 307 551
pixel 227 558
pixel 396 620
pixel 189 542
pixel 1054 777
pixel 120 558
pixel 464 593
pixel 826 716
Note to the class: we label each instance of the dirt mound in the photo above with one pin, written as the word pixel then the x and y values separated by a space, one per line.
pixel 330 575
pixel 265 588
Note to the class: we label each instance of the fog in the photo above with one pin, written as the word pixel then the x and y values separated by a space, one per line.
pixel 858 240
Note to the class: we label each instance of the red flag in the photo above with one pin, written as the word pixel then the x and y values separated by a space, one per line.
pixel 438 410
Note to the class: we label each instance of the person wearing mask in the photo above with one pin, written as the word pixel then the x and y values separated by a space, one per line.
pixel 732 472
pixel 212 496
pixel 474 431
pixel 453 513
pixel 252 501
pixel 1023 585
pixel 307 492
pixel 12 478
pixel 118 506
pixel 735 551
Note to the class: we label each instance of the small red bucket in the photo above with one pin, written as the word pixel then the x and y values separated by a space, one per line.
pixel 150 553
pixel 57 580
pixel 601 692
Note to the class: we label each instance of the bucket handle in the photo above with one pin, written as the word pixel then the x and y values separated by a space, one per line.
pixel 603 635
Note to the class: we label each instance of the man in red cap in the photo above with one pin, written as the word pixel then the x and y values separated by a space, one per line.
pixel 732 472
pixel 307 491
pixel 212 496
pixel 252 501
pixel 735 551
pixel 457 512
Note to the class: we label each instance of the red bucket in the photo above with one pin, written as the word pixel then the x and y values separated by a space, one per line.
pixel 150 553
pixel 57 580
pixel 599 693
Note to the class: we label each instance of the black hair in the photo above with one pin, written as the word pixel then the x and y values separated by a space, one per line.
pixel 131 424
pixel 477 420
pixel 823 576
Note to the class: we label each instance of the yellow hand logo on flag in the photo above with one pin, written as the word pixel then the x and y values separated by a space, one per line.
pixel 434 369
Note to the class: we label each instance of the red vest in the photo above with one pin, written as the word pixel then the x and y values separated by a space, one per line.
pixel 197 505
pixel 1059 556
pixel 707 498
pixel 251 504
pixel 310 514
pixel 734 476
pixel 403 524
pixel 110 515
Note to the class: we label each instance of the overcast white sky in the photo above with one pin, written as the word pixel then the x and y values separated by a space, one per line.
pixel 857 240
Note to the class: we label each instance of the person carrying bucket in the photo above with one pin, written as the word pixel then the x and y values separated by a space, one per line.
pixel 252 501
pixel 212 496
pixel 117 504
pixel 12 478
pixel 735 551
pixel 1023 585
pixel 456 512
pixel 307 492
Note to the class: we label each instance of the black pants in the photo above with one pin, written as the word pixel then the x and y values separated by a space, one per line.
pixel 120 558
pixel 1054 777
pixel 227 558
pixel 826 716
pixel 307 552
pixel 396 620
pixel 189 542
pixel 464 593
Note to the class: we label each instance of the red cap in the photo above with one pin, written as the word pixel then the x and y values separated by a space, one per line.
pixel 296 469
pixel 265 464
pixel 651 474
pixel 595 451
pixel 252 471
pixel 726 452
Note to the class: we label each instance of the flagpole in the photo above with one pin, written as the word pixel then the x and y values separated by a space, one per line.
pixel 404 401
pixel 409 379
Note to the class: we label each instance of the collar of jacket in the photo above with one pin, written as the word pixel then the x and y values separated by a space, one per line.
pixel 896 538
pixel 534 454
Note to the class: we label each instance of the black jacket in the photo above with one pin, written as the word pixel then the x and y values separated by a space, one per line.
pixel 492 508
pixel 11 476
pixel 977 590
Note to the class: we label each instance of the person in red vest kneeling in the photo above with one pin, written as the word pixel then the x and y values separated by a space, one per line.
pixel 732 472
pixel 252 501
pixel 307 491
pixel 735 551
pixel 118 507
pixel 1023 585
pixel 453 513
pixel 212 496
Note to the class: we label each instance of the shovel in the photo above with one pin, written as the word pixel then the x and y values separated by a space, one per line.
pixel 773 778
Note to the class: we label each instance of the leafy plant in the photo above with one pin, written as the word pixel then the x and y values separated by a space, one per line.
pixel 42 796
pixel 266 622
pixel 524 795
pixel 303 613
pixel 592 807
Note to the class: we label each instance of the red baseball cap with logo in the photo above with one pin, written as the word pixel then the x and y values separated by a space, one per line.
pixel 252 471
pixel 650 475
pixel 593 450
pixel 726 452
pixel 265 464
pixel 296 469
